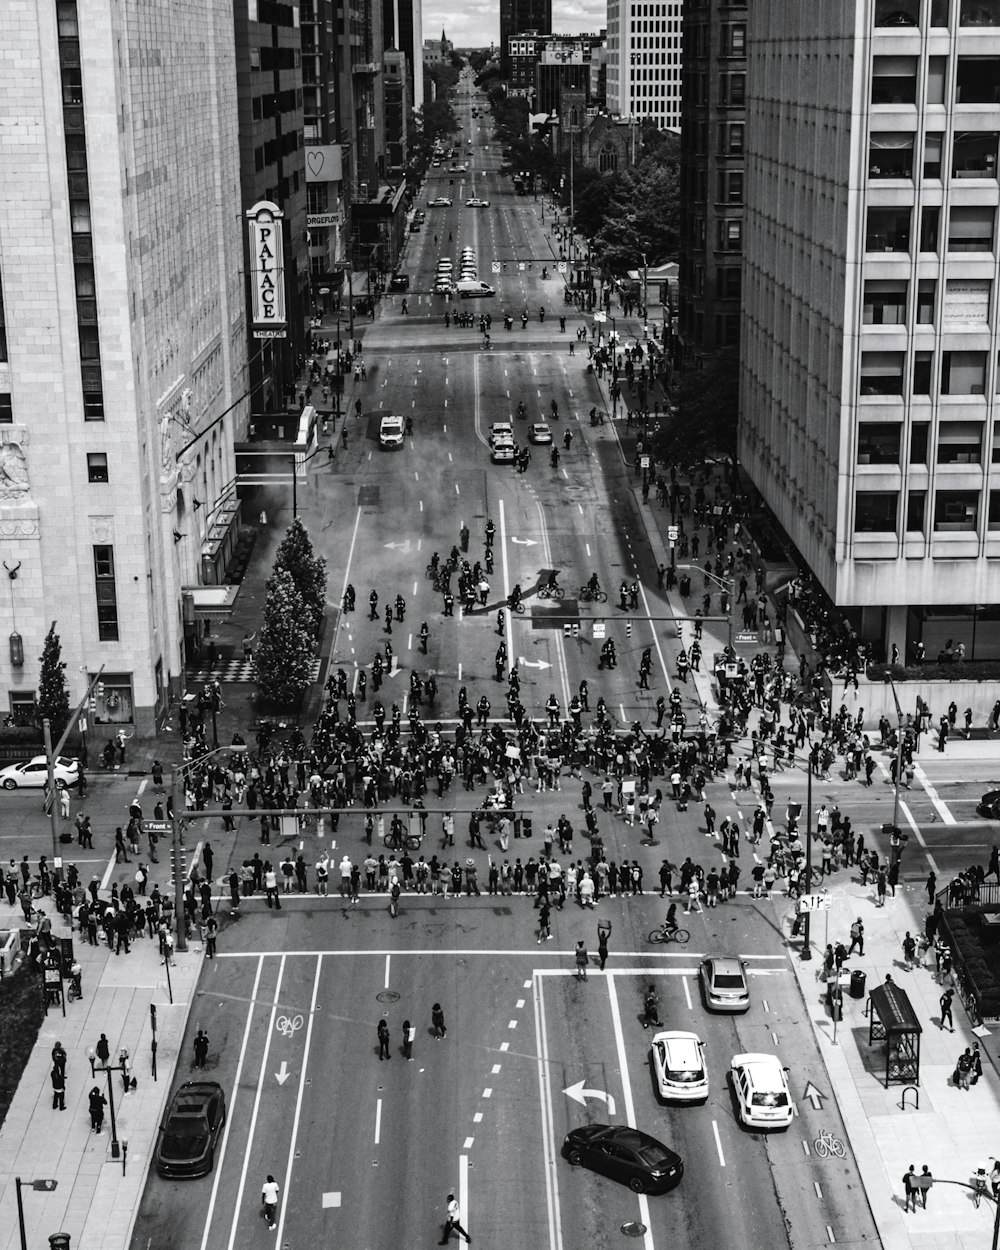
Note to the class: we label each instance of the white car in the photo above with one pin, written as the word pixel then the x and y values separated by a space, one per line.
pixel 443 286
pixel 34 772
pixel 477 203
pixel 503 451
pixel 678 1060
pixel 539 433
pixel 390 432
pixel 500 431
pixel 441 201
pixel 760 1084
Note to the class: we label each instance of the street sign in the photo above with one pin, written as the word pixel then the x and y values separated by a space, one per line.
pixel 746 636
pixel 495 267
pixel 644 462
pixel 598 629
pixel 156 826
pixel 815 902
pixel 673 533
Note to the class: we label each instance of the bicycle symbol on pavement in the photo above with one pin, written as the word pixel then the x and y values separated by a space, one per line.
pixel 287 1025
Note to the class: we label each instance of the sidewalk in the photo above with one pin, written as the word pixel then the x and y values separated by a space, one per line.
pixel 93 1200
pixel 954 1131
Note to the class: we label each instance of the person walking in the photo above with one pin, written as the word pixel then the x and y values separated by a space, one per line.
pixel 103 1049
pixel 200 1048
pixel 603 933
pixel 924 1181
pixel 383 1041
pixel 209 934
pixel 582 959
pixel 452 1222
pixel 409 1036
pixel 437 1023
pixel 269 1197
pixel 58 1078
pixel 857 938
pixel 96 1102
pixel 910 1189
pixel 946 1016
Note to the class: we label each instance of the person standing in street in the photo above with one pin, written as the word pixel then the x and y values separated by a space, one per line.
pixel 269 1197
pixel 200 1048
pixel 582 959
pixel 409 1035
pixel 437 1023
pixel 383 1041
pixel 103 1049
pixel 58 1078
pixel 452 1223
pixel 603 933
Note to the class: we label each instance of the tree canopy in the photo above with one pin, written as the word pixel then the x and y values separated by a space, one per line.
pixel 53 697
pixel 286 643
pixel 295 555
pixel 707 408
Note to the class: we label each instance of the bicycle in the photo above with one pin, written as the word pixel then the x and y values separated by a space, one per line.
pixel 664 934
pixel 827 1146
pixel 517 606
pixel 394 841
pixel 550 592
pixel 587 595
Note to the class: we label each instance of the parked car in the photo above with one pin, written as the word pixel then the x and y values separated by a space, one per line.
pixel 724 984
pixel 501 430
pixel 989 805
pixel 624 1154
pixel 503 451
pixel 760 1086
pixel 189 1131
pixel 34 772
pixel 440 201
pixel 399 282
pixel 678 1060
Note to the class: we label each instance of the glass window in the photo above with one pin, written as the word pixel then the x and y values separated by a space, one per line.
pixel 980 13
pixel 916 508
pixel 939 12
pixel 932 154
pixel 66 19
pixel 885 303
pixel 878 442
pixel 115 706
pixel 967 302
pixel 993 519
pixel 881 373
pixel 79 216
pixel 897 12
pixel 960 442
pixel 875 511
pixel 930 224
pixel 956 510
pixel 977 80
pixel 888 230
pixel 107 595
pixel 93 392
pixel 918 442
pixel 926 294
pixel 97 466
pixel 890 155
pixel 6 408
pixel 963 373
pixel 937 67
pixel 22 708
pixel 894 80
pixel 974 154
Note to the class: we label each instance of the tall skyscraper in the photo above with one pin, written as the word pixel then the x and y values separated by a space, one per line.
pixel 402 29
pixel 123 361
pixel 871 320
pixel 713 109
pixel 644 60
pixel 519 15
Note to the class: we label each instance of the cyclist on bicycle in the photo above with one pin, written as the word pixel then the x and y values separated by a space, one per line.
pixel 670 925
pixel 594 585
pixel 514 599
pixel 521 410
pixel 552 583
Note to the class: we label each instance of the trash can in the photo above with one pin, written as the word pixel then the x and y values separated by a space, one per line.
pixel 857 983
pixel 59 1241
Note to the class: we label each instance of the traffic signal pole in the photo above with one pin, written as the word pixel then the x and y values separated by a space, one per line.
pixel 176 806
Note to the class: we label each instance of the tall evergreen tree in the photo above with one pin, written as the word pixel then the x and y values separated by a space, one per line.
pixel 295 555
pixel 285 645
pixel 53 697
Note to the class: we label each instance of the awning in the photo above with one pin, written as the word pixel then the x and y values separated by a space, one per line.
pixel 209 603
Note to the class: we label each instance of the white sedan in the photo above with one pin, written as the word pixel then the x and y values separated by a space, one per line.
pixel 442 201
pixel 678 1060
pixel 760 1084
pixel 476 203
pixel 34 772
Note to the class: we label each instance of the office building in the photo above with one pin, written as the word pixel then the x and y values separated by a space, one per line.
pixel 123 347
pixel 713 111
pixel 644 60
pixel 517 16
pixel 543 66
pixel 402 29
pixel 870 335
pixel 327 187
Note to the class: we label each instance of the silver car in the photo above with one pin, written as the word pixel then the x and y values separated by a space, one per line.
pixel 724 984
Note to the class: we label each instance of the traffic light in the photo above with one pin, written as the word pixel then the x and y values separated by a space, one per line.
pixel 571 631
pixel 173 864
pixel 628 629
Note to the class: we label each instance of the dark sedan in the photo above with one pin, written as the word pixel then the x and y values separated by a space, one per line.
pixel 190 1130
pixel 989 805
pixel 625 1154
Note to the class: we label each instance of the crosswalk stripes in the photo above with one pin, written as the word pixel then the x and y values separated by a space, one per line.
pixel 241 670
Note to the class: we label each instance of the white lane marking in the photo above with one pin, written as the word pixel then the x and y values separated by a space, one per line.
pixel 932 794
pixel 385 984
pixel 829 1233
pixel 816 1188
pixel 421 505
pixel 495 1069
pixel 331 1198
pixel 616 1022
pixel 238 1205
pixel 463 1185
pixel 560 649
pixel 656 639
pixel 378 1121
pixel 298 1098
pixel 467 1145
pixel 511 1024
pixel 508 614
pixel 477 1118
pixel 718 1143
pixel 456 488
pixel 551 1166
pixel 487 1092
pixel 229 1118
pixel 805 1148
pixel 687 995
pixel 519 1004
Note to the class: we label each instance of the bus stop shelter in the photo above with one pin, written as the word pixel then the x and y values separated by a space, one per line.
pixel 892 1020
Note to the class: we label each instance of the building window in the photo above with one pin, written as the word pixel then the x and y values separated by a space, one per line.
pixel 963 373
pixel 730 235
pixel 916 510
pixel 890 155
pixel 875 512
pixel 978 80
pixel 107 595
pixel 932 154
pixel 733 90
pixel 881 373
pixel 919 438
pixel 970 228
pixel 731 138
pixel 23 709
pixel 930 226
pixel 894 80
pixel 6 408
pixel 878 443
pixel 97 466
pixel 956 510
pixel 993 518
pixel 923 363
pixel 93 392
pixel 960 442
pixel 734 39
pixel 896 12
pixel 885 303
pixel 888 230
pixel 974 154
pixel 926 295
pixel 939 11
pixel 731 186
pixel 607 159
pixel 116 705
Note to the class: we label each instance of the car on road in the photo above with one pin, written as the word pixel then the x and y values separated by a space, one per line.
pixel 415 227
pixel 390 432
pixel 444 286
pixel 724 984
pixel 539 433
pixel 475 202
pixel 760 1086
pixel 624 1154
pixel 440 201
pixel 503 451
pixel 34 772
pixel 989 805
pixel 678 1060
pixel 444 266
pixel 456 169
pixel 399 282
pixel 436 164
pixel 501 430
pixel 189 1131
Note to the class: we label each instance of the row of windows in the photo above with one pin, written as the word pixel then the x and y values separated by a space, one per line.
pixel 956 373
pixel 966 302
pixel 970 229
pixel 895 80
pixel 954 511
pixel 973 154
pixel 958 442
pixel 903 13
pixel 728 281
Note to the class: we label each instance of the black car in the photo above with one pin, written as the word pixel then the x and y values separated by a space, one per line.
pixel 190 1130
pixel 625 1154
pixel 399 282
pixel 989 805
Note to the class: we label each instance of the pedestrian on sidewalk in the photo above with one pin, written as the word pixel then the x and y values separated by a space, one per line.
pixel 909 950
pixel 97 1102
pixel 452 1223
pixel 437 1023
pixel 103 1049
pixel 269 1197
pixel 857 938
pixel 58 1078
pixel 910 1188
pixel 383 1041
pixel 59 1057
pixel 963 1069
pixel 977 1063
pixel 200 1048
pixel 946 1016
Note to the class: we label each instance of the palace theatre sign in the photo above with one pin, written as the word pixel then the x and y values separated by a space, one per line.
pixel 267 271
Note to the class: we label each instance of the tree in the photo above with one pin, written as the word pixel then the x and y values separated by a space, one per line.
pixel 53 697
pixel 642 217
pixel 295 555
pixel 707 407
pixel 286 643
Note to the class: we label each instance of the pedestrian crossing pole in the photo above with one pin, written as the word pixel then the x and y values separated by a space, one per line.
pixel 176 807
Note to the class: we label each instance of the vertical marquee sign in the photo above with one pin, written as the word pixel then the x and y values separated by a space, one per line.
pixel 267 271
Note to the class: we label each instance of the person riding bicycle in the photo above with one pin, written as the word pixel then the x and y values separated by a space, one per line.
pixel 651 1009
pixel 553 582
pixel 670 925
pixel 555 410
pixel 521 410
pixel 514 598
pixel 594 585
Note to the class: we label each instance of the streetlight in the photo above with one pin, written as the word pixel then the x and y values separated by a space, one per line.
pixel 900 725
pixel 45 1186
pixel 978 1186
pixel 728 584
pixel 107 1069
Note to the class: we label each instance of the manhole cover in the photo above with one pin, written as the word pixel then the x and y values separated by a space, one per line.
pixel 634 1229
pixel 387 996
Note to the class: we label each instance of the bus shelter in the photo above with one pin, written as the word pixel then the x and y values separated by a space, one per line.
pixel 892 1020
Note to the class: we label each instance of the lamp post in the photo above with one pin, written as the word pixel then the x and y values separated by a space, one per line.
pixel 728 584
pixel 900 724
pixel 107 1069
pixel 45 1186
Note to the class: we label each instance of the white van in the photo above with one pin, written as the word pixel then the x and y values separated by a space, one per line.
pixel 469 288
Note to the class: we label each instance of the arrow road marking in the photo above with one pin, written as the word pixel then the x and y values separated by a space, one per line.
pixel 580 1094
pixel 814 1096
pixel 403 546
pixel 524 542
pixel 282 1076
pixel 533 663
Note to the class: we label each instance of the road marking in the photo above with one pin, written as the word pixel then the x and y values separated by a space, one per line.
pixel 477 1118
pixel 819 1192
pixel 551 1165
pixel 331 1198
pixel 467 1145
pixel 238 1205
pixel 495 1069
pixel 932 794
pixel 560 649
pixel 229 1118
pixel 298 1098
pixel 805 1148
pixel 487 1092
pixel 616 1021
pixel 718 1143
pixel 687 995
pixel 385 984
pixel 456 489
pixel 508 615
pixel 519 1004
pixel 504 1047
pixel 511 1024
pixel 378 1121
